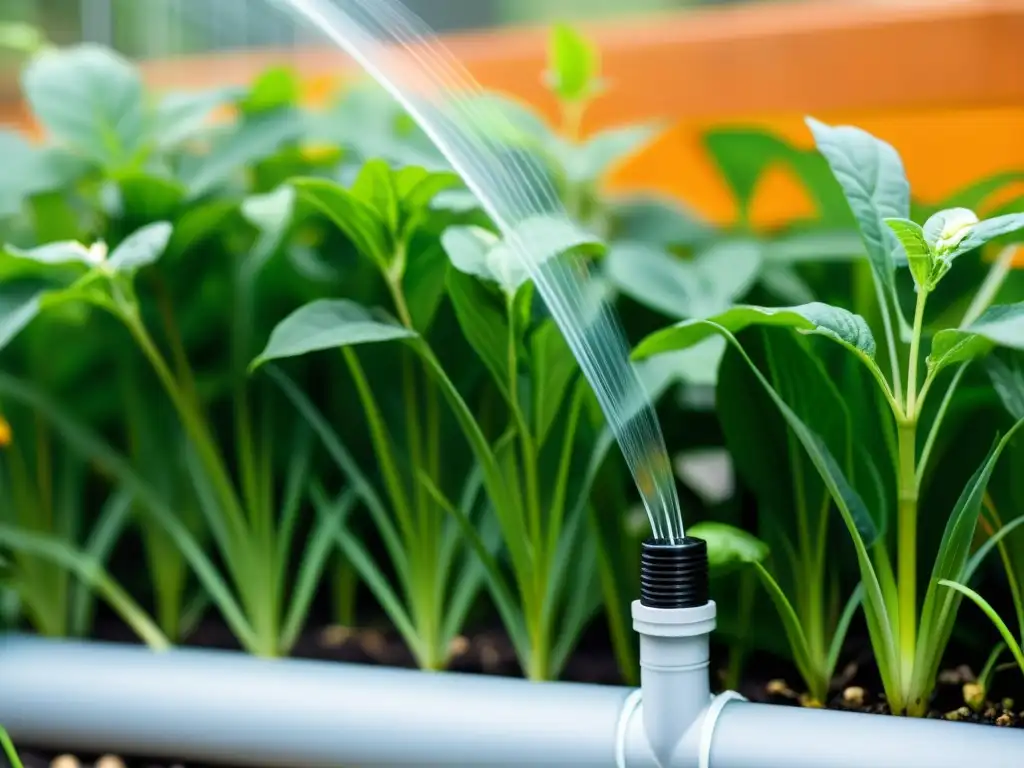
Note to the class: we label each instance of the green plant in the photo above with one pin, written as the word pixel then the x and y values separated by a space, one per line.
pixel 43 492
pixel 528 363
pixel 908 642
pixel 253 543
pixel 1007 376
pixel 384 214
pixel 8 749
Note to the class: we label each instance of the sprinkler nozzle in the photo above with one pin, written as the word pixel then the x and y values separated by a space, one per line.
pixel 674 574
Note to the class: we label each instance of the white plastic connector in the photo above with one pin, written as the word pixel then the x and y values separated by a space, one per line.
pixel 674 659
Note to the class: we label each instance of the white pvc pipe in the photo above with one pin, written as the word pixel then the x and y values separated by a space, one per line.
pixel 231 708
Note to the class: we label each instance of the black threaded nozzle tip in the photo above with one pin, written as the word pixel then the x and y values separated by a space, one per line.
pixel 674 574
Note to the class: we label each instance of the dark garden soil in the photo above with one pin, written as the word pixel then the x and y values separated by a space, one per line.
pixel 857 687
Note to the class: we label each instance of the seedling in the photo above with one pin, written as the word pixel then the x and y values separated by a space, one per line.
pixel 908 644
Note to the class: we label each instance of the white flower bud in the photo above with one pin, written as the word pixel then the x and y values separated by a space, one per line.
pixel 955 228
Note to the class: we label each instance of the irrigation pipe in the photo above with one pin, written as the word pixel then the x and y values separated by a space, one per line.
pixel 235 709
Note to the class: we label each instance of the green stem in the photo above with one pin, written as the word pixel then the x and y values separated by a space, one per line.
pixel 907 543
pixel 912 411
pixel 192 421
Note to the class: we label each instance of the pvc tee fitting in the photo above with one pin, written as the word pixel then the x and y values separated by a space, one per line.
pixel 674 618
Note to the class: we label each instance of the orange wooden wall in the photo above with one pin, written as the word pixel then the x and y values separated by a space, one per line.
pixel 943 80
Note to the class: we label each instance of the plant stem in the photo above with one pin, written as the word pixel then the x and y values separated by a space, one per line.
pixel 915 353
pixel 907 543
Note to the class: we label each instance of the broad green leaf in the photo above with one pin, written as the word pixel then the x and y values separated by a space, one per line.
pixel 90 100
pixel 999 326
pixel 32 170
pixel 816 318
pixel 658 221
pixel 989 229
pixel 871 174
pixel 916 249
pixel 711 283
pixel 276 88
pixel 1002 324
pixel 1007 378
pixel 249 142
pixel 34 262
pixel 952 346
pixel 940 606
pixel 355 218
pixel 728 545
pixel 376 188
pixel 484 324
pixel 573 64
pixel 147 197
pixel 141 248
pixel 475 251
pixel 328 324
pixel 589 162
pixel 742 156
pixel 814 246
pixel 181 116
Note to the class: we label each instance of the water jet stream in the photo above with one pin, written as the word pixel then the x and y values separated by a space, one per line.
pixel 402 54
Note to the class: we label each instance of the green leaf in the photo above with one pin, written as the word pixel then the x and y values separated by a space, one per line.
pixel 181 116
pixel 552 368
pixel 7 747
pixel 376 188
pixel 18 308
pixel 988 610
pixel 476 251
pixel 253 140
pixel 329 324
pixel 1008 381
pixel 790 622
pixel 989 229
pixel 1002 324
pixel 658 221
pixel 275 88
pixel 871 174
pixel 142 248
pixel 742 156
pixel 483 322
pixel 573 64
pixel 844 327
pixel 952 346
pixel 148 197
pixel 709 284
pixel 589 162
pixel 729 546
pixel 90 571
pixel 90 100
pixel 916 248
pixel 360 223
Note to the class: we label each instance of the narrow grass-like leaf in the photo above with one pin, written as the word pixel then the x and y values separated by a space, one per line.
pixel 939 610
pixel 90 571
pixel 988 610
pixel 790 622
pixel 348 466
pixel 9 750
pixel 322 540
pixel 105 533
pixel 843 627
pixel 90 445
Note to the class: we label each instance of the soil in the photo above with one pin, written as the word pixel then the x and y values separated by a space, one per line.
pixel 856 688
